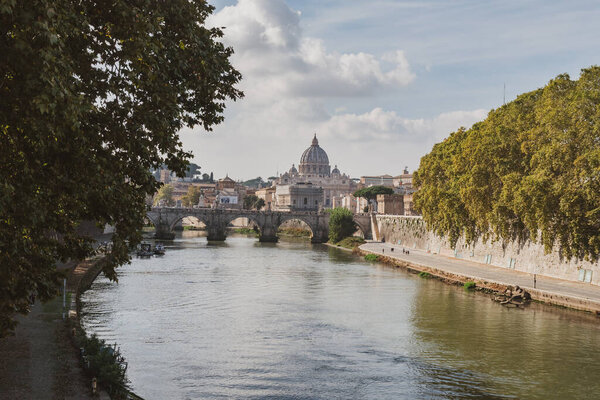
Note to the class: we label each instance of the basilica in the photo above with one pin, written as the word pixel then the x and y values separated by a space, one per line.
pixel 314 170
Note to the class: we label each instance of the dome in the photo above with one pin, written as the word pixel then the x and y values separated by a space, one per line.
pixel 314 160
pixel 293 170
pixel 335 170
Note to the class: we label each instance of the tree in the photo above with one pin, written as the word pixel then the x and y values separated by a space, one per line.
pixel 370 193
pixel 192 170
pixel 91 98
pixel 254 183
pixel 341 224
pixel 205 177
pixel 211 179
pixel 192 196
pixel 164 196
pixel 530 170
pixel 253 202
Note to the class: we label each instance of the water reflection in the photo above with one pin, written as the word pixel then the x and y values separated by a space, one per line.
pixel 293 320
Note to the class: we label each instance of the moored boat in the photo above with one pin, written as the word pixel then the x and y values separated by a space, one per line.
pixel 159 249
pixel 144 249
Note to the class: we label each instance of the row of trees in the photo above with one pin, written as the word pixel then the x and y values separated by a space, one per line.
pixel 531 170
pixel 91 98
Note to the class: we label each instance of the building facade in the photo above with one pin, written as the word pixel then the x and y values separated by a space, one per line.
pixel 314 168
pixel 299 196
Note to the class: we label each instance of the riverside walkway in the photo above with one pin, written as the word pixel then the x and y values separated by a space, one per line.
pixel 555 291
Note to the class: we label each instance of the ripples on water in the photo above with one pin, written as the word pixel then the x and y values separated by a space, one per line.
pixel 296 321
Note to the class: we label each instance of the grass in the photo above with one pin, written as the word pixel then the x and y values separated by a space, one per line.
pixel 351 242
pixel 469 285
pixel 54 306
pixel 424 275
pixel 246 231
pixel 296 232
pixel 193 228
pixel 371 257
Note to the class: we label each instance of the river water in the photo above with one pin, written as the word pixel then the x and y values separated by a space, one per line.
pixel 293 320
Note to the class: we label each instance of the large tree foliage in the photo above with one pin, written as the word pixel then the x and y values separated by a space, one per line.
pixel 370 193
pixel 341 224
pixel 531 170
pixel 92 95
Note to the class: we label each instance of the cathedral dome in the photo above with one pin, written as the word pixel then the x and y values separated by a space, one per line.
pixel 314 160
pixel 293 170
pixel 335 170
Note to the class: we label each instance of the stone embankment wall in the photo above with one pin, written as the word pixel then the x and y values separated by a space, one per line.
pixel 411 232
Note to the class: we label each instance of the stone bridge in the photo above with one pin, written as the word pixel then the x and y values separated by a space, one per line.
pixel 268 222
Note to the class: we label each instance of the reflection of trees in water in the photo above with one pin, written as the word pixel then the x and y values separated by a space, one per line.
pixel 538 352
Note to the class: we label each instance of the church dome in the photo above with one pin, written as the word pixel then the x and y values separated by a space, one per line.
pixel 293 170
pixel 314 160
pixel 335 170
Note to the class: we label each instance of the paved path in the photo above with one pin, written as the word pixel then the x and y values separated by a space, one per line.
pixel 490 273
pixel 39 362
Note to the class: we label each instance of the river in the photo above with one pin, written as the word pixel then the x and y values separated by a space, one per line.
pixel 291 320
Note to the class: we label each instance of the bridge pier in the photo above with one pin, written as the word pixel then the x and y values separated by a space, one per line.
pixel 216 234
pixel 164 232
pixel 268 234
pixel 320 236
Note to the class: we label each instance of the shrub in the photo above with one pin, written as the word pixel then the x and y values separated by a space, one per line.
pixel 371 257
pixel 424 275
pixel 469 285
pixel 105 363
pixel 341 224
pixel 351 242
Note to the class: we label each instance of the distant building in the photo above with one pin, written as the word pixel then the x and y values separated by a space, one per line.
pixel 165 176
pixel 391 204
pixel 314 168
pixel 377 180
pixel 299 196
pixel 268 195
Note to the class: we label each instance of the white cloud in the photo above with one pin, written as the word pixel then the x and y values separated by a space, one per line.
pixel 387 126
pixel 276 59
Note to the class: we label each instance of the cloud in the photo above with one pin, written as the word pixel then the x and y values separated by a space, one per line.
pixel 277 59
pixel 381 125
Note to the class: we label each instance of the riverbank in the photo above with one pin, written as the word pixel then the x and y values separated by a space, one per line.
pixel 574 295
pixel 40 360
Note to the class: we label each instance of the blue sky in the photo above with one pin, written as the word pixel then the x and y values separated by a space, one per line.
pixel 381 81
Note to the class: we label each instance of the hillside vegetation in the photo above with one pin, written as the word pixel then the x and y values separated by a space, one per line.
pixel 531 170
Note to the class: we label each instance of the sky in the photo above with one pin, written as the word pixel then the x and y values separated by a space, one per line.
pixel 380 81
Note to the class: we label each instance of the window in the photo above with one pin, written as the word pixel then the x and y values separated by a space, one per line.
pixel 305 200
pixel 327 201
pixel 294 201
pixel 316 202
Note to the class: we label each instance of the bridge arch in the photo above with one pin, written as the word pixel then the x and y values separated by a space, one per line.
pixel 200 217
pixel 254 218
pixel 363 226
pixel 298 217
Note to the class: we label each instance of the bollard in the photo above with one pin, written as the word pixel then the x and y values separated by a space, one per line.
pixel 94 385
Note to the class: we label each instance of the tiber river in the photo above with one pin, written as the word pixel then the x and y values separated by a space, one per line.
pixel 298 321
